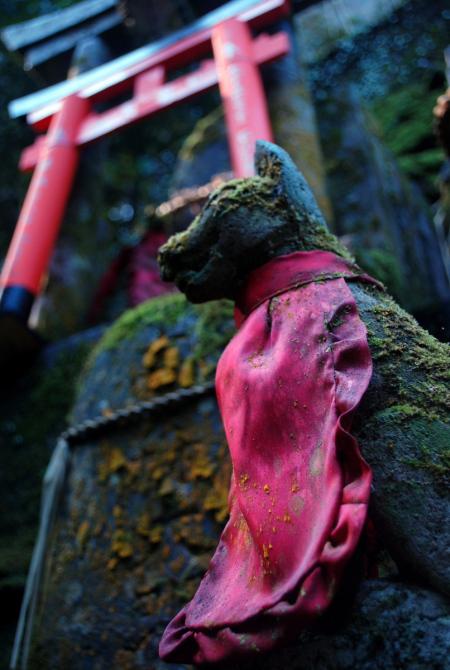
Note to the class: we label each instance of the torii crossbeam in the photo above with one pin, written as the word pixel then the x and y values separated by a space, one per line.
pixel 228 56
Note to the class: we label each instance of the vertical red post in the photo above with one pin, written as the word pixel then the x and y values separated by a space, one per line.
pixel 242 92
pixel 42 211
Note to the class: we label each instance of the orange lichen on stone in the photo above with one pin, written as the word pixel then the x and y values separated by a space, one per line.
pixel 177 564
pixel 186 376
pixel 166 487
pixel 82 534
pixel 155 535
pixel 266 488
pixel 162 377
pixel 155 347
pixel 116 460
pixel 112 563
pixel 121 545
pixel 217 498
pixel 107 411
pixel 143 524
pixel 171 358
pixel 133 468
pixel 200 465
pixel 157 472
pixel 117 511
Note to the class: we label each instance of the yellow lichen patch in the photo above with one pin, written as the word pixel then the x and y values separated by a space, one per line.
pixel 171 358
pixel 116 460
pixel 107 411
pixel 98 529
pixel 167 487
pixel 286 518
pixel 177 564
pixel 266 488
pixel 112 563
pixel 157 472
pixel 217 497
pixel 186 376
pixel 143 589
pixel 200 467
pixel 188 529
pixel 143 524
pixel 103 471
pixel 155 535
pixel 162 377
pixel 133 468
pixel 121 544
pixel 82 534
pixel 117 512
pixel 155 347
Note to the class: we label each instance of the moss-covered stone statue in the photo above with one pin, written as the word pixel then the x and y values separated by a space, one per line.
pixel 401 424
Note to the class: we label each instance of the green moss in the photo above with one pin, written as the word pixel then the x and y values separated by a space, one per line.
pixel 414 366
pixel 155 312
pixel 318 237
pixel 259 193
pixel 428 436
pixel 250 193
pixel 212 323
pixel 214 328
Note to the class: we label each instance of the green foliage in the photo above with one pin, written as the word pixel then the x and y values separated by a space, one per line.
pixel 404 119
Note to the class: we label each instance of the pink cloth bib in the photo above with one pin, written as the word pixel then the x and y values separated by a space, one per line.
pixel 287 386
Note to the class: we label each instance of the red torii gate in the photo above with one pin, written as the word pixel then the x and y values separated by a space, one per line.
pixel 64 112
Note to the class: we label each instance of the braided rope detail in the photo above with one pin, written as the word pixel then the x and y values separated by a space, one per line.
pixel 90 427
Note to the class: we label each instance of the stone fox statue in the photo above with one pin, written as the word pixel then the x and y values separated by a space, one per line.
pixel 332 398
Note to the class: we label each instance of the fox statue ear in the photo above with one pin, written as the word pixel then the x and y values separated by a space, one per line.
pixel 273 162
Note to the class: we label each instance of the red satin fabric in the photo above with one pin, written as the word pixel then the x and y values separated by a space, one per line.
pixel 287 386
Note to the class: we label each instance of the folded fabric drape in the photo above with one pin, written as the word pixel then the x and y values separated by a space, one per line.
pixel 287 386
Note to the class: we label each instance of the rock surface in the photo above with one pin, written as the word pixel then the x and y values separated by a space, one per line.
pixel 389 626
pixel 145 503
